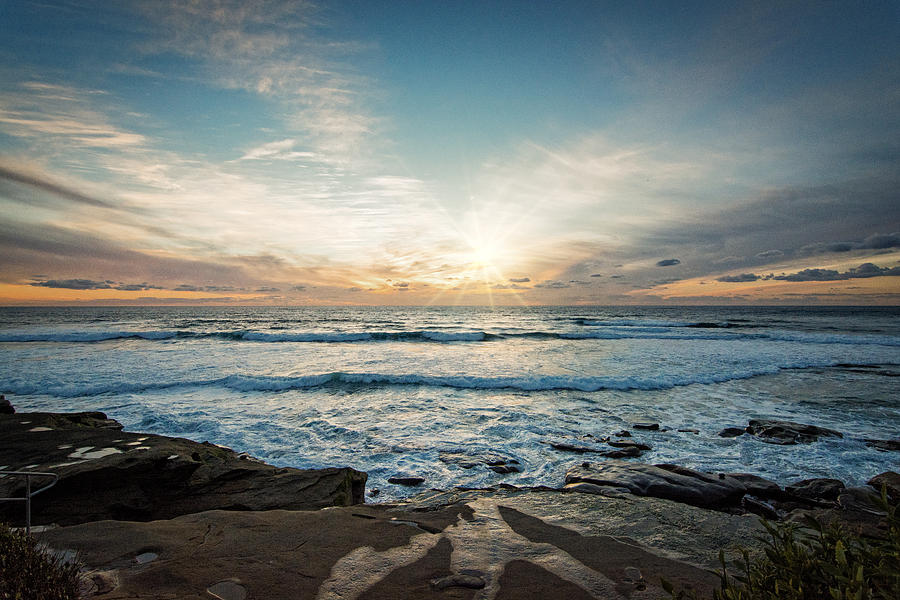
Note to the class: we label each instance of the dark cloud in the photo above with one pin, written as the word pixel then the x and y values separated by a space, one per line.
pixel 597 275
pixel 302 288
pixel 743 277
pixel 73 284
pixel 267 289
pixel 353 289
pixel 770 254
pixel 519 280
pixel 877 241
pixel 863 271
pixel 668 262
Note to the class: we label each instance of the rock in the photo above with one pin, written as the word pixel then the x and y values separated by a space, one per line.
pixel 689 430
pixel 663 481
pixel 106 473
pixel 405 480
pixel 623 433
pixel 730 432
pixel 759 507
pixel 884 445
pixel 758 486
pixel 374 492
pixel 646 426
pixel 467 461
pixel 578 448
pixel 773 431
pixel 463 580
pixel 504 469
pixel 889 480
pixel 626 452
pixel 816 489
pixel 6 408
pixel 628 444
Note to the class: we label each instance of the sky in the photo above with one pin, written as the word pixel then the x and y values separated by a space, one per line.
pixel 283 152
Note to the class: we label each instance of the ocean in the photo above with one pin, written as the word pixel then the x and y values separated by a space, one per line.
pixel 418 391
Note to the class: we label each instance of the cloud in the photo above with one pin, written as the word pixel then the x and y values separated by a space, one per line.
pixel 519 279
pixel 770 254
pixel 279 150
pixel 743 277
pixel 552 285
pixel 668 262
pixel 73 284
pixel 863 271
pixel 876 241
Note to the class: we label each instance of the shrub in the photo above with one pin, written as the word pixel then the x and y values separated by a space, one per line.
pixel 823 562
pixel 29 573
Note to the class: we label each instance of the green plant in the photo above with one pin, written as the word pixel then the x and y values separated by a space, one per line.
pixel 821 562
pixel 29 573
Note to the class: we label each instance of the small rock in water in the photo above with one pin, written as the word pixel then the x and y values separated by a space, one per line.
pixel 374 492
pixel 628 444
pixel 689 430
pixel 774 431
pixel 730 432
pixel 884 445
pixel 626 452
pixel 623 433
pixel 504 469
pixel 646 426
pixel 6 407
pixel 410 481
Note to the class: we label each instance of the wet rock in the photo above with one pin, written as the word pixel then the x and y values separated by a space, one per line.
pixel 626 452
pixel 816 489
pixel 504 469
pixel 623 433
pixel 406 480
pixel 671 482
pixel 106 473
pixel 578 448
pixel 645 425
pixel 689 430
pixel 889 480
pixel 6 407
pixel 773 431
pixel 628 444
pixel 884 445
pixel 490 460
pixel 730 432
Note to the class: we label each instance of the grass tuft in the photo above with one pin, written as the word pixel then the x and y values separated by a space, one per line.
pixel 29 573
pixel 820 562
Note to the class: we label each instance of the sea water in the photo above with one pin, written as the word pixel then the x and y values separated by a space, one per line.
pixel 392 391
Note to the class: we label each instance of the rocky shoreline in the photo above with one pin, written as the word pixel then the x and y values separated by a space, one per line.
pixel 140 509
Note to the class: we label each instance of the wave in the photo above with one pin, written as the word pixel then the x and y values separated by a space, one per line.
pixel 528 383
pixel 647 330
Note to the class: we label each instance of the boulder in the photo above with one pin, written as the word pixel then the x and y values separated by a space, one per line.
pixel 6 408
pixel 106 473
pixel 671 482
pixel 889 480
pixel 773 431
pixel 758 486
pixel 406 480
pixel 816 489
pixel 467 460
pixel 628 444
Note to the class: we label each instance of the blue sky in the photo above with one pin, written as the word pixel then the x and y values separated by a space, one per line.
pixel 282 152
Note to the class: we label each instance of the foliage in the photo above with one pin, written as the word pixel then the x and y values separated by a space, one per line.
pixel 823 562
pixel 29 573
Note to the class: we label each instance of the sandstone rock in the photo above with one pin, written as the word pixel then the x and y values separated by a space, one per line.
pixel 671 482
pixel 463 580
pixel 6 408
pixel 816 489
pixel 106 473
pixel 890 480
pixel 774 431
pixel 730 432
